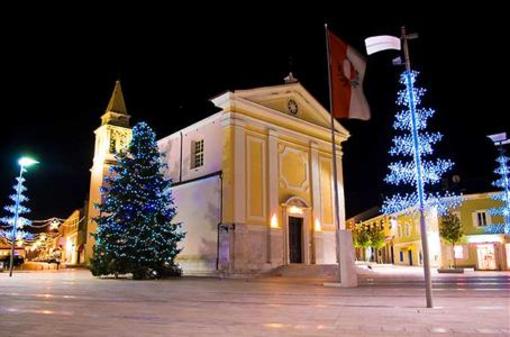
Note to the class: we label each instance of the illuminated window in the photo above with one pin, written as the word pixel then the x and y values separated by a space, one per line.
pixel 197 150
pixel 459 252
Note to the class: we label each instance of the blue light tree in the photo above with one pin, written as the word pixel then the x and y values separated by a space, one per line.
pixel 136 233
pixel 415 142
pixel 503 183
pixel 14 223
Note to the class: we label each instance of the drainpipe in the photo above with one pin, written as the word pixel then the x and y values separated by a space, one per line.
pixel 180 165
pixel 220 221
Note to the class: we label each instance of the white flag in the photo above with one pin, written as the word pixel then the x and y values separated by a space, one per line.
pixel 381 42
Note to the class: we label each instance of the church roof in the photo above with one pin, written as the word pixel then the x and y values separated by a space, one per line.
pixel 117 103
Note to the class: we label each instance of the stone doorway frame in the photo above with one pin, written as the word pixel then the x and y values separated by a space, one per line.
pixel 298 208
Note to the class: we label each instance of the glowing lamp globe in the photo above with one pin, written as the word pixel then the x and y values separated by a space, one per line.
pixel 27 161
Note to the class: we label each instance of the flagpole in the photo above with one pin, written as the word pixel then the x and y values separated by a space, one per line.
pixel 333 146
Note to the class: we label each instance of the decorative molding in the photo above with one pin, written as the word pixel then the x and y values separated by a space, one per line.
pixel 276 91
pixel 273 171
pixel 262 142
pixel 262 113
pixel 239 174
pixel 322 161
pixel 306 243
pixel 316 188
pixel 296 201
pixel 302 186
pixel 341 197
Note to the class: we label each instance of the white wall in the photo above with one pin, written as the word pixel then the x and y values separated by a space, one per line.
pixel 211 132
pixel 198 208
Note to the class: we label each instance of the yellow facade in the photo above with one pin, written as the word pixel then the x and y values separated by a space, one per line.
pixel 380 222
pixel 69 238
pixel 477 249
pixel 275 173
pixel 277 167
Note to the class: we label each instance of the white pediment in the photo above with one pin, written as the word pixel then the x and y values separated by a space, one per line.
pixel 286 98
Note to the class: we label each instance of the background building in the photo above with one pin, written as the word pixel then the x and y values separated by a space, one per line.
pixel 476 250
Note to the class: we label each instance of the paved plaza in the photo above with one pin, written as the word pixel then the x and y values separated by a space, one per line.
pixel 389 302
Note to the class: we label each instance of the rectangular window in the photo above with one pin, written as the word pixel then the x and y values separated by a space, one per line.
pixel 481 218
pixel 197 150
pixel 459 252
pixel 401 254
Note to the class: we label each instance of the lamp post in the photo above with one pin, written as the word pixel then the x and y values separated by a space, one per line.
pixel 23 163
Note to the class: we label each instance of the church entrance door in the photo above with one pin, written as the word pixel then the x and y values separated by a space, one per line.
pixel 295 239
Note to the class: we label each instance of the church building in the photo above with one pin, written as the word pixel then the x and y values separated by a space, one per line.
pixel 253 183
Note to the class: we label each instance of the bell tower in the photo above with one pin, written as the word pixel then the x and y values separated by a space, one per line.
pixel 113 135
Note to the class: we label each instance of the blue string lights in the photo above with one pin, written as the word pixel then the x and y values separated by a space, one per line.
pixel 503 183
pixel 135 233
pixel 14 223
pixel 417 143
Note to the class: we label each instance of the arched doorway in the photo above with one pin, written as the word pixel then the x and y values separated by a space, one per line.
pixel 297 227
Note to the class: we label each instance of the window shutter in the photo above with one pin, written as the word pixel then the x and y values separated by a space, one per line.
pixel 192 155
pixel 474 216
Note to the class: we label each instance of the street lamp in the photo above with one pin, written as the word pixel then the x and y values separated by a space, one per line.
pixel 23 163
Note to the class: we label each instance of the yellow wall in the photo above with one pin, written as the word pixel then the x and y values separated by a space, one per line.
pixel 103 158
pixel 228 174
pixel 256 179
pixel 326 192
pixel 472 204
pixel 294 171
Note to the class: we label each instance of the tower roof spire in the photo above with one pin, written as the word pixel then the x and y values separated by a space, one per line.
pixel 117 103
pixel 116 112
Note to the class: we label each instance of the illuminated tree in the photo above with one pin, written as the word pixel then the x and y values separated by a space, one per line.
pixel 415 144
pixel 8 232
pixel 135 232
pixel 503 183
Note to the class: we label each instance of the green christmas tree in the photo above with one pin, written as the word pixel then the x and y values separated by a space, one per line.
pixel 135 233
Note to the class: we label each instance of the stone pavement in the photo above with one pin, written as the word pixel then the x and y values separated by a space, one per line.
pixel 73 303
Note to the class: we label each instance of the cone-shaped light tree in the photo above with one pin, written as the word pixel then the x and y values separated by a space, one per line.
pixel 10 232
pixel 503 184
pixel 415 143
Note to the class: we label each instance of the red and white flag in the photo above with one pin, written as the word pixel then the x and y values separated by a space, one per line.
pixel 347 73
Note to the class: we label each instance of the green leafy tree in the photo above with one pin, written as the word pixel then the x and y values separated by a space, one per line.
pixel 450 229
pixel 377 239
pixel 361 237
pixel 135 232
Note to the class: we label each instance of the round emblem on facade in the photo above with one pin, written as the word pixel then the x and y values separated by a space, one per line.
pixel 292 106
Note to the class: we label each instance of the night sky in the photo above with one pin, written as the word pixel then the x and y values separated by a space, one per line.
pixel 58 73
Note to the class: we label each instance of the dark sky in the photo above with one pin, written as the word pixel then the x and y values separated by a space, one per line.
pixel 59 68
